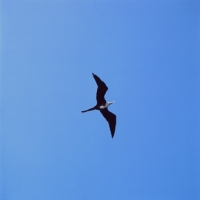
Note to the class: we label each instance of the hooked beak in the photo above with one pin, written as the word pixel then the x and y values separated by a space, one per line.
pixel 112 102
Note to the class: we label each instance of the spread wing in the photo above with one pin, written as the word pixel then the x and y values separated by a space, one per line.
pixel 101 90
pixel 111 119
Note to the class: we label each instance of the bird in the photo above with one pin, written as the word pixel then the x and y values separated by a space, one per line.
pixel 102 105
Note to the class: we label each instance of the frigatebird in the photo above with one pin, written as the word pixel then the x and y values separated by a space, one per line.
pixel 102 105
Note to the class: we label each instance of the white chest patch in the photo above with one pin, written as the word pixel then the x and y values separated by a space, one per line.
pixel 102 107
pixel 105 106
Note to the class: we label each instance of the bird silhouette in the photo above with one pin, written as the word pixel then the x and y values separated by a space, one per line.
pixel 102 105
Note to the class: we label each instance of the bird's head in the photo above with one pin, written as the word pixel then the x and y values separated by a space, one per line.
pixel 109 103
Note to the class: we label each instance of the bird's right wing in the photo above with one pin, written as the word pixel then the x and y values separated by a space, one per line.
pixel 101 90
pixel 111 119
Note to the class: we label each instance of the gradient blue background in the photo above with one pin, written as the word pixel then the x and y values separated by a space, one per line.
pixel 147 52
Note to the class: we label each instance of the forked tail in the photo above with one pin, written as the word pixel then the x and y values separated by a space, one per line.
pixel 88 110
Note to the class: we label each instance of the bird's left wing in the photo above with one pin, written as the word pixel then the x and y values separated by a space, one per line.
pixel 101 90
pixel 111 119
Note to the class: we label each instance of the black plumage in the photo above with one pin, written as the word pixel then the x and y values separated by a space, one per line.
pixel 102 105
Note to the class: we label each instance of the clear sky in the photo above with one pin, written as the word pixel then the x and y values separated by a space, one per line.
pixel 147 52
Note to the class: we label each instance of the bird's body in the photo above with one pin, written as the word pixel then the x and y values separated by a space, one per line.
pixel 102 105
pixel 105 105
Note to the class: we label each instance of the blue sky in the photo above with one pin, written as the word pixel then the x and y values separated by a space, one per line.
pixel 147 52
